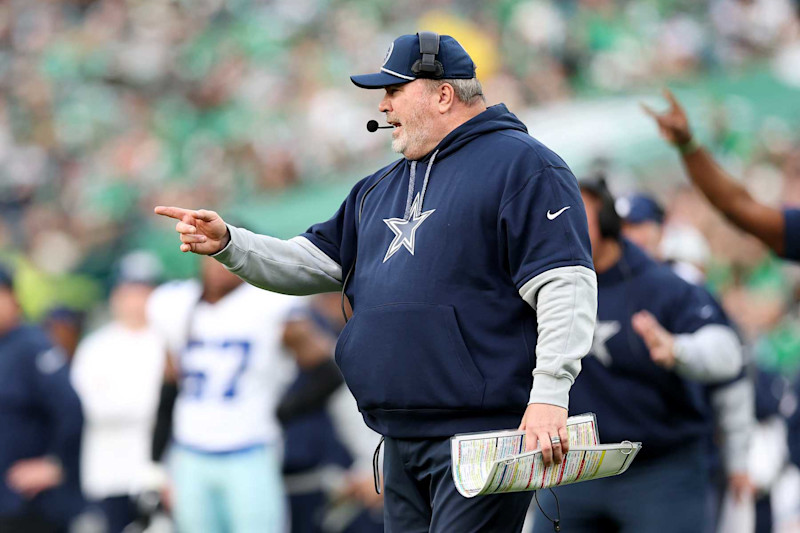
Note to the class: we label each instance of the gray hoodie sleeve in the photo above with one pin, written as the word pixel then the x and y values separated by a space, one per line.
pixel 565 300
pixel 711 354
pixel 294 267
pixel 734 414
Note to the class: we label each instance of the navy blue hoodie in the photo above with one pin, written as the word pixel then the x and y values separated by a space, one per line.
pixel 634 398
pixel 441 341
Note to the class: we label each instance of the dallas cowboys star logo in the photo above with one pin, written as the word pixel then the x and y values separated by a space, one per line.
pixel 405 229
pixel 603 331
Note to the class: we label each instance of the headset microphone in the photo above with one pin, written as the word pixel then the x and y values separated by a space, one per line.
pixel 372 126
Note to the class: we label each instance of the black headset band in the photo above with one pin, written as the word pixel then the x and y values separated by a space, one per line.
pixel 428 48
pixel 428 66
pixel 608 218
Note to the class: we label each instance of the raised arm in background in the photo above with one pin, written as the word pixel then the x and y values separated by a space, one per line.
pixel 723 191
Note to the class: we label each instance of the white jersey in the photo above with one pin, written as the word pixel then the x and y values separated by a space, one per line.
pixel 232 365
pixel 117 373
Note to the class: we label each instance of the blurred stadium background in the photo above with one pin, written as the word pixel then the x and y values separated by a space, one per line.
pixel 109 107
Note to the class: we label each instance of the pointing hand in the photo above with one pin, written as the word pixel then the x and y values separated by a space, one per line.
pixel 202 232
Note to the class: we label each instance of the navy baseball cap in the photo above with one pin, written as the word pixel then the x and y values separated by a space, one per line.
pixel 402 62
pixel 66 315
pixel 639 208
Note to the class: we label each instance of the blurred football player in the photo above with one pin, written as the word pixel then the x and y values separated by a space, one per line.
pixel 231 369
pixel 117 371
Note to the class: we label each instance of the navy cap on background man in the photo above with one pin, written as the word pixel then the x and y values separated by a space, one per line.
pixel 642 220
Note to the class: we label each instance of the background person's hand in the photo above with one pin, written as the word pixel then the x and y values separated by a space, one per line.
pixel 362 489
pixel 202 231
pixel 659 341
pixel 672 123
pixel 542 422
pixel 29 477
pixel 741 487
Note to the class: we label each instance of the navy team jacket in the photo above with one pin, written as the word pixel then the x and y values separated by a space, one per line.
pixel 441 341
pixel 634 398
pixel 40 414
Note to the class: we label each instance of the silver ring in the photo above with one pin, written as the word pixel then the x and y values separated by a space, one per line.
pixel 555 440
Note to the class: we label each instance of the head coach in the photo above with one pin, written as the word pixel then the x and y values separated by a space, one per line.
pixel 469 269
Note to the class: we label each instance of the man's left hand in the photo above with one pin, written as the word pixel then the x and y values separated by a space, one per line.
pixel 659 341
pixel 29 477
pixel 543 422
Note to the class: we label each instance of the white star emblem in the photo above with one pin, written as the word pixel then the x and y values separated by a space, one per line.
pixel 603 331
pixel 405 229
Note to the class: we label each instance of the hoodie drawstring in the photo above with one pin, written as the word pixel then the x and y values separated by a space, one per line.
pixel 376 470
pixel 412 181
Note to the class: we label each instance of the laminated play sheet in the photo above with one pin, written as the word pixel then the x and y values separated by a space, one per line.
pixel 496 461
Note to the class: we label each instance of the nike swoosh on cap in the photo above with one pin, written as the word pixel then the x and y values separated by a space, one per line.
pixel 552 216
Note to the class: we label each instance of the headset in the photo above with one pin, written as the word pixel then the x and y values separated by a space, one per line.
pixel 428 66
pixel 608 219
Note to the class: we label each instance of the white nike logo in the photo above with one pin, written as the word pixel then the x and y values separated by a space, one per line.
pixel 552 216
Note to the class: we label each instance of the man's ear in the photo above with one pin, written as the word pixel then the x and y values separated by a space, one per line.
pixel 447 97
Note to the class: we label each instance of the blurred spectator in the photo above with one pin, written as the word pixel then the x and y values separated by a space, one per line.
pixel 117 373
pixel 751 27
pixel 65 327
pixel 224 337
pixel 41 419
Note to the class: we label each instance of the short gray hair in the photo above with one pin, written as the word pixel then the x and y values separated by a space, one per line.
pixel 467 91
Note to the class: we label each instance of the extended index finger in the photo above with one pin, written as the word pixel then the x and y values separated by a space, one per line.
pixel 671 99
pixel 173 212
pixel 649 110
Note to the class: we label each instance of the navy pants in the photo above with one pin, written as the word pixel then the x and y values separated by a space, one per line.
pixel 308 510
pixel 420 496
pixel 119 511
pixel 665 494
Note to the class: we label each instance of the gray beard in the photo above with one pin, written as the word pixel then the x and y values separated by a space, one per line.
pixel 398 147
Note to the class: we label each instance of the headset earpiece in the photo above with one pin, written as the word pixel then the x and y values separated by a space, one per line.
pixel 428 66
pixel 608 219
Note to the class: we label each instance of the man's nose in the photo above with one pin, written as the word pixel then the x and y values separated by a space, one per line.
pixel 385 105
